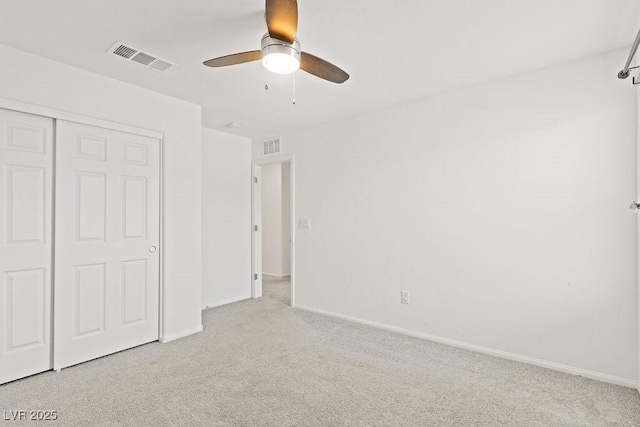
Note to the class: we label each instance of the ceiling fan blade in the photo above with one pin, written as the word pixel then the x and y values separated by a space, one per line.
pixel 321 68
pixel 236 58
pixel 282 19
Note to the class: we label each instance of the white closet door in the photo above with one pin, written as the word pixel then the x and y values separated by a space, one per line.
pixel 26 145
pixel 107 242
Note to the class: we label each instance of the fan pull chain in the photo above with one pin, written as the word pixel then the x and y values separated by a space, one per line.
pixel 266 85
pixel 294 88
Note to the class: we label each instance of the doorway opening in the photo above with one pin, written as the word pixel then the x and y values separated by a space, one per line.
pixel 273 231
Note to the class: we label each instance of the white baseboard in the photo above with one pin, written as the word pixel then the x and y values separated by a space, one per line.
pixel 626 382
pixel 279 276
pixel 169 338
pixel 225 302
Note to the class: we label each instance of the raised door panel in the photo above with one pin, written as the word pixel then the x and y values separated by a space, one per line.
pixel 91 201
pixel 91 147
pixel 134 291
pixel 135 154
pixel 26 196
pixel 89 299
pixel 134 202
pixel 25 296
pixel 26 137
pixel 25 209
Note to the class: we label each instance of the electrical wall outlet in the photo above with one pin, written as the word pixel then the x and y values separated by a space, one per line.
pixel 404 297
pixel 304 223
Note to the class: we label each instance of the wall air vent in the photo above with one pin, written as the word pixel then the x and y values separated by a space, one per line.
pixel 271 146
pixel 143 58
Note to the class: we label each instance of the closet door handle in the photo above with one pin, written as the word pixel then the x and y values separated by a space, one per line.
pixel 152 249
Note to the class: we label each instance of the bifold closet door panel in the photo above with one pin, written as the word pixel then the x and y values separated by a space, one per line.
pixel 107 242
pixel 26 185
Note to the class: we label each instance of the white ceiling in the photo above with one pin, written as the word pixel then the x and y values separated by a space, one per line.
pixel 394 51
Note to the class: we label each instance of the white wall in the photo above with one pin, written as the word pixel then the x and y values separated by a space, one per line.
pixel 226 218
pixel 36 80
pixel 271 204
pixel 286 219
pixel 501 208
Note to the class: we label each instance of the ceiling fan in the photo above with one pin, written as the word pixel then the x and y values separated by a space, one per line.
pixel 280 50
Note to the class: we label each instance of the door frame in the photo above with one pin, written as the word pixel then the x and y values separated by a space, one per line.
pixel 55 114
pixel 256 219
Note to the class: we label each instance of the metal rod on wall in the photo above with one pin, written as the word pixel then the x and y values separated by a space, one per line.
pixel 625 71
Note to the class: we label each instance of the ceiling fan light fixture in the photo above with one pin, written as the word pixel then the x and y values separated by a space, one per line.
pixel 280 57
pixel 280 49
pixel 280 63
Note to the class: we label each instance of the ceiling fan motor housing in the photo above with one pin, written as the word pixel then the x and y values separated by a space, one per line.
pixel 272 47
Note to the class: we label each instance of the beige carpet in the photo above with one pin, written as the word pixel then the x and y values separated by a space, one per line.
pixel 259 362
pixel 277 288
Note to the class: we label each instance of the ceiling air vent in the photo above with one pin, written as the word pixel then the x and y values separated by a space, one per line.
pixel 124 51
pixel 161 65
pixel 143 58
pixel 271 146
